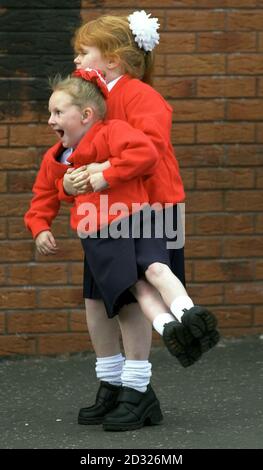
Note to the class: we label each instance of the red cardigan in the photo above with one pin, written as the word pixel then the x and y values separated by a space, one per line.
pixel 131 155
pixel 144 108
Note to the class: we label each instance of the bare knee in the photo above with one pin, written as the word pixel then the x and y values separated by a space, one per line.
pixel 140 289
pixel 155 270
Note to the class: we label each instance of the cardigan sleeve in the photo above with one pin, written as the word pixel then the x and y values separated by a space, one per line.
pixel 132 154
pixel 45 204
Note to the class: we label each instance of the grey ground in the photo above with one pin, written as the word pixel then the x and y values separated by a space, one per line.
pixel 215 404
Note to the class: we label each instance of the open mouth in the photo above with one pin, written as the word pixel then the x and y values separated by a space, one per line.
pixel 60 133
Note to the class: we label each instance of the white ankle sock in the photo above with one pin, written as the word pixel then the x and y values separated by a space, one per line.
pixel 179 304
pixel 110 368
pixel 136 374
pixel 161 320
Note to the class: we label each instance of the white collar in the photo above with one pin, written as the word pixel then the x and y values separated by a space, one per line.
pixel 111 84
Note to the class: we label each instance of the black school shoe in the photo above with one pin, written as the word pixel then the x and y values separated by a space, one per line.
pixel 134 410
pixel 106 400
pixel 197 333
pixel 181 344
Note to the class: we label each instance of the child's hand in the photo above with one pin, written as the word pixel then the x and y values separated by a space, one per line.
pixel 97 167
pixel 97 182
pixel 45 243
pixel 68 184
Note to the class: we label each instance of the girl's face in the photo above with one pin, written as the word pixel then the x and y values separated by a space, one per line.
pixel 66 119
pixel 90 56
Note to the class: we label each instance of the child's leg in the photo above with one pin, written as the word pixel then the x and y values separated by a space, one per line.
pixel 199 321
pixel 105 337
pixel 178 340
pixel 137 402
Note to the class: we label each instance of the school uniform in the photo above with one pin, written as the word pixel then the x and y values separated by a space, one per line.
pixel 115 263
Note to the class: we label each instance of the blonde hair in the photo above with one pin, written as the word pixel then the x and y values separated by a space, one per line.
pixel 82 92
pixel 113 37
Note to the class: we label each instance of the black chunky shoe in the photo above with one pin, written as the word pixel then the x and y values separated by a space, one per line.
pixel 134 410
pixel 106 400
pixel 199 321
pixel 181 344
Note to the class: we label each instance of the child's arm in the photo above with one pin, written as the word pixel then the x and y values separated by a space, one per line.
pixel 133 154
pixel 45 204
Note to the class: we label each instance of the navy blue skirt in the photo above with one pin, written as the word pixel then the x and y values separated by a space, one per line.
pixel 113 265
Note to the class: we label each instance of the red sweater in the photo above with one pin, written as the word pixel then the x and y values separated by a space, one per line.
pixel 131 155
pixel 144 108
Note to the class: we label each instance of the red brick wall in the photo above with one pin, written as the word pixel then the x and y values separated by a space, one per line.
pixel 210 68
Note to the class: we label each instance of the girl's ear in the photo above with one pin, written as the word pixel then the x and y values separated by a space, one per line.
pixel 88 115
pixel 113 61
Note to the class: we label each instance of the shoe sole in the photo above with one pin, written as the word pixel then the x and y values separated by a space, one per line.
pixel 178 341
pixel 209 341
pixel 88 422
pixel 152 417
pixel 199 322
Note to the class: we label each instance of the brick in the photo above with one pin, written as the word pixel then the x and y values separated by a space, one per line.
pixel 260 42
pixel 225 132
pixel 37 322
pixel 244 293
pixel 197 110
pixel 198 64
pixel 63 297
pixel 260 87
pixel 3 275
pixel 199 247
pixel 2 323
pixel 259 132
pixel 226 86
pixel 217 270
pixel 63 343
pixel 27 135
pixel 259 178
pixel 69 250
pixel 211 224
pixel 258 315
pixel 3 182
pixel 245 20
pixel 3 228
pixel 188 177
pixel 241 332
pixel 18 111
pixel 12 205
pixel 171 43
pixel 204 201
pixel 16 228
pixel 15 345
pixel 15 251
pixel 38 274
pixel 259 223
pixel 21 182
pixel 245 247
pixel 189 271
pixel 17 298
pixel 243 154
pixel 244 64
pixel 3 135
pixel 224 178
pixel 75 273
pixel 200 155
pixel 259 270
pixel 229 316
pixel 251 109
pixel 244 201
pixel 78 321
pixel 18 159
pixel 194 20
pixel 226 42
pixel 183 134
pixel 206 294
pixel 174 87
